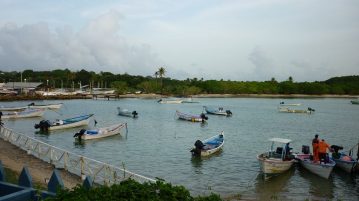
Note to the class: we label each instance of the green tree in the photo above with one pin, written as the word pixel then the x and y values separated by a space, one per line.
pixel 119 86
pixel 161 73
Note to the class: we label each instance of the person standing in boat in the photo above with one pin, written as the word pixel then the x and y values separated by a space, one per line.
pixel 315 144
pixel 322 149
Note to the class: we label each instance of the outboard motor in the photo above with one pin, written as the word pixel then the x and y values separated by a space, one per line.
pixel 79 134
pixel 203 117
pixel 311 109
pixel 44 125
pixel 134 113
pixel 31 104
pixel 159 100
pixel 198 147
pixel 229 113
pixel 305 149
pixel 1 123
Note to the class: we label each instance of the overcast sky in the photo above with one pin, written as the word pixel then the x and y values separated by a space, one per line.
pixel 212 39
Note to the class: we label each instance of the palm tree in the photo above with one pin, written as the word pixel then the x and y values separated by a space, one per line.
pixel 161 72
pixel 156 76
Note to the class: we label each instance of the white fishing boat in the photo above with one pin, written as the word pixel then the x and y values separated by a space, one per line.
pixel 23 114
pixel 127 113
pixel 276 160
pixel 289 104
pixel 46 106
pixel 219 111
pixel 191 117
pixel 100 132
pixel 289 110
pixel 2 108
pixel 46 125
pixel 208 146
pixel 170 101
pixel 321 169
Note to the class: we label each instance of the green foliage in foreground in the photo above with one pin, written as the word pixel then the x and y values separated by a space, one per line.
pixel 131 190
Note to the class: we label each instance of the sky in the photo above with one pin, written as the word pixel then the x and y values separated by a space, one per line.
pixel 243 40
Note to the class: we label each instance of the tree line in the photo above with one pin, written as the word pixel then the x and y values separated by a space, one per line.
pixel 158 83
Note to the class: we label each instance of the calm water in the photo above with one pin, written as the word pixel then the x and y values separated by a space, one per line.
pixel 157 144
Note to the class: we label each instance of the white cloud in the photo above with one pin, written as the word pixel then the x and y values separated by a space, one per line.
pixel 97 46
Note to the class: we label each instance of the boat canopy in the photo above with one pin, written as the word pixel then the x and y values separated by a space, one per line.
pixel 280 140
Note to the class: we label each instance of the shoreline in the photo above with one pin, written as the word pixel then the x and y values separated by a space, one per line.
pixel 158 96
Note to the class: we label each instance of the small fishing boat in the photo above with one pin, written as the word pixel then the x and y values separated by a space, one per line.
pixel 46 125
pixel 100 132
pixel 276 160
pixel 170 101
pixel 289 104
pixel 219 111
pixel 208 146
pixel 127 113
pixel 344 161
pixel 289 110
pixel 322 169
pixel 355 102
pixel 23 114
pixel 191 117
pixel 46 106
pixel 2 108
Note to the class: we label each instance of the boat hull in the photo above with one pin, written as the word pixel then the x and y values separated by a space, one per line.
pixel 170 102
pixel 24 114
pixel 103 132
pixel 189 117
pixel 50 106
pixel 355 102
pixel 211 145
pixel 273 165
pixel 83 122
pixel 321 169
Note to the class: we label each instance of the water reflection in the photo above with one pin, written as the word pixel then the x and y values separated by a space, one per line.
pixel 270 187
pixel 319 188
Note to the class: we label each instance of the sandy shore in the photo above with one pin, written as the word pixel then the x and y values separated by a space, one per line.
pixel 15 159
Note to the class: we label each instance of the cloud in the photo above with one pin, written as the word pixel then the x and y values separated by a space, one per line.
pixel 98 46
pixel 263 65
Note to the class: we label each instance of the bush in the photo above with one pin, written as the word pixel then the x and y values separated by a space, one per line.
pixel 131 190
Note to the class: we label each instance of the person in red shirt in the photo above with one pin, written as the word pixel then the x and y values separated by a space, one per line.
pixel 322 149
pixel 315 144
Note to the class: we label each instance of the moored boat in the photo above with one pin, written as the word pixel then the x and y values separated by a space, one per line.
pixel 191 117
pixel 322 169
pixel 276 160
pixel 127 113
pixel 355 102
pixel 46 106
pixel 170 101
pixel 344 161
pixel 219 111
pixel 208 146
pixel 289 110
pixel 23 114
pixel 289 104
pixel 2 108
pixel 100 132
pixel 81 120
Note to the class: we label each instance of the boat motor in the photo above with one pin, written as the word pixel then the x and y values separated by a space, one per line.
pixel 31 104
pixel 229 113
pixel 44 125
pixel 79 134
pixel 134 113
pixel 203 117
pixel 311 109
pixel 198 147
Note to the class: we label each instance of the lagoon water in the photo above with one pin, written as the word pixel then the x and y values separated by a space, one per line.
pixel 158 145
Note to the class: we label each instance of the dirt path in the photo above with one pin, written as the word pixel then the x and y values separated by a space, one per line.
pixel 15 159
